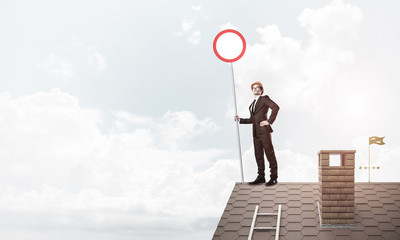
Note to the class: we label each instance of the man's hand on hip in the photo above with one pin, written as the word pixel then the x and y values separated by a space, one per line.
pixel 264 123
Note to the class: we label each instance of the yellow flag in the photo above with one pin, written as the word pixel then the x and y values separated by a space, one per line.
pixel 376 140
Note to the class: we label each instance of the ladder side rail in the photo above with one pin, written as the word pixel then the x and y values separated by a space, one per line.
pixel 253 223
pixel 278 222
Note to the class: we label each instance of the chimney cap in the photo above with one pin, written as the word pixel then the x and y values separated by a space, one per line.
pixel 336 151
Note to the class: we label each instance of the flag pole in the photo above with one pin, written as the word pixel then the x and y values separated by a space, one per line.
pixel 369 162
pixel 237 123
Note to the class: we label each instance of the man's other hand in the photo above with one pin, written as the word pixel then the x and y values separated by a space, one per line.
pixel 237 118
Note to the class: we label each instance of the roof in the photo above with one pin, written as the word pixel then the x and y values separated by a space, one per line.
pixel 377 212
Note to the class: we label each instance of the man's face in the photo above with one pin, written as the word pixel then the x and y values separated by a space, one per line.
pixel 256 89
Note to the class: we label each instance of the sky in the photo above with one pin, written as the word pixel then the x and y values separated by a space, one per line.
pixel 116 118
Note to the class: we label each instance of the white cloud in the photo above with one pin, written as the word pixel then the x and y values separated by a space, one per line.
pixel 196 7
pixel 192 36
pixel 188 30
pixel 21 169
pixel 96 60
pixel 132 118
pixel 63 69
pixel 171 129
pixel 228 26
pixel 60 171
pixel 292 69
pixel 181 126
pixel 195 37
pixel 57 67
pixel 76 41
pixel 187 24
pixel 333 25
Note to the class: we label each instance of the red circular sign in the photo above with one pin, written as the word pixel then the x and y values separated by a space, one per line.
pixel 215 45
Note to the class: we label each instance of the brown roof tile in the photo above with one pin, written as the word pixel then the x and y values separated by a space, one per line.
pixel 309 214
pixel 391 235
pixel 310 238
pixel 377 212
pixel 360 199
pixel 325 235
pixel 341 232
pixel 373 231
pixel 382 218
pixel 244 231
pixel 246 222
pixel 294 204
pixel 293 235
pixel 395 193
pixel 242 238
pixel 232 226
pixel 309 231
pixel 294 191
pixel 386 227
pixel 391 207
pixel 308 206
pixel 387 200
pixel 255 200
pixel 372 197
pixel 396 222
pixel 365 214
pixel 256 194
pixel 394 215
pixel 309 222
pixel 358 235
pixel 240 211
pixel 281 188
pixel 341 238
pixel 229 235
pixel 296 226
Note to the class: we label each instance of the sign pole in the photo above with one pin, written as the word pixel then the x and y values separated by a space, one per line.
pixel 237 123
pixel 231 60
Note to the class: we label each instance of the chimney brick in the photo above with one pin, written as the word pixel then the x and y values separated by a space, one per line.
pixel 336 184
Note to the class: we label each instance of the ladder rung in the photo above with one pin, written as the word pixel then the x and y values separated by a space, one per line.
pixel 267 214
pixel 264 228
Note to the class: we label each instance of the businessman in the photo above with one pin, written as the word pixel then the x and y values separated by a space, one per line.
pixel 262 133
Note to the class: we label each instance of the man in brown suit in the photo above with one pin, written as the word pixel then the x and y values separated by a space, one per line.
pixel 262 133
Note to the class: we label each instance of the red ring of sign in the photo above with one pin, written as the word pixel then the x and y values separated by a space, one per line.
pixel 215 45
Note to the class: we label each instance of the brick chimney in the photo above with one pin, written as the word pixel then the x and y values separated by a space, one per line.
pixel 336 188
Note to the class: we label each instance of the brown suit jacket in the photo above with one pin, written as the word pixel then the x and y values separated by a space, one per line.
pixel 260 113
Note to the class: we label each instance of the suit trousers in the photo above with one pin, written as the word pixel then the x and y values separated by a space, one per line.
pixel 263 143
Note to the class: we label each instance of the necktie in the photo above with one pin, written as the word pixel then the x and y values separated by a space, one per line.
pixel 253 105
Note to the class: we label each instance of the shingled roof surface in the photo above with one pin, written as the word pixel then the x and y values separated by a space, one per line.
pixel 377 212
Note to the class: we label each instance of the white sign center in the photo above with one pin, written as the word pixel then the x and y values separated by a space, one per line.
pixel 229 45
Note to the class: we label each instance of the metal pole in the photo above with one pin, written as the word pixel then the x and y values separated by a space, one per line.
pixel 369 161
pixel 237 123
